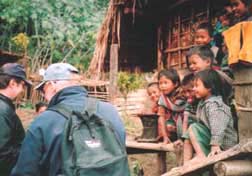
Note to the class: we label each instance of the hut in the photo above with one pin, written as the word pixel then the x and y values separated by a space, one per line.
pixel 147 35
pixel 143 35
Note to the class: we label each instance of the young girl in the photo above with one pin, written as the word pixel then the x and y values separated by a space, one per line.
pixel 214 130
pixel 171 106
pixel 154 94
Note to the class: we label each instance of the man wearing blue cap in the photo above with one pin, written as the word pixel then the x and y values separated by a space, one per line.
pixel 40 152
pixel 12 82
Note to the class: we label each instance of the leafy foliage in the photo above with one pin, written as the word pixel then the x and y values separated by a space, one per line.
pixel 128 82
pixel 59 30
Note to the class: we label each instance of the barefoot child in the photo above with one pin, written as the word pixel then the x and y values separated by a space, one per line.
pixel 154 94
pixel 214 130
pixel 189 112
pixel 171 106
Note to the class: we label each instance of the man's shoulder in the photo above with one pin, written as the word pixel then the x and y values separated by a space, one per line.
pixel 48 119
pixel 3 103
pixel 105 107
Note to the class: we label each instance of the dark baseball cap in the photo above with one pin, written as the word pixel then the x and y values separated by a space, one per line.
pixel 15 70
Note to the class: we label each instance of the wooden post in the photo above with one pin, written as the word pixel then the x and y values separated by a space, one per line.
pixel 243 100
pixel 113 65
pixel 160 64
pixel 233 168
pixel 162 162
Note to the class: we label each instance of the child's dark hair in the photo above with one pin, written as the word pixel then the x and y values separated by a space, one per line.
pixel 171 74
pixel 247 2
pixel 211 80
pixel 204 53
pixel 152 84
pixel 39 105
pixel 187 79
pixel 206 26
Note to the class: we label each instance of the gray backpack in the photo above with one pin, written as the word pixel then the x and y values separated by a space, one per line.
pixel 90 146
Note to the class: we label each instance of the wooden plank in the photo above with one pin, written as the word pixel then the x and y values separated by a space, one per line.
pixel 244 147
pixel 150 146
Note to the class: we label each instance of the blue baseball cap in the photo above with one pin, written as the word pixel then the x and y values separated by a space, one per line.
pixel 56 72
pixel 15 70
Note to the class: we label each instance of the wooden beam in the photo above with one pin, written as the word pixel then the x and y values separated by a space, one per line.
pixel 194 166
pixel 160 64
pixel 176 4
pixel 150 146
pixel 233 168
pixel 162 162
pixel 113 67
pixel 241 148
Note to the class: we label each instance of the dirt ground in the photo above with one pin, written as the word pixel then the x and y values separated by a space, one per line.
pixel 148 162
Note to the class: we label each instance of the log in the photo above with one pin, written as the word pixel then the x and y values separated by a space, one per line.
pixel 233 168
pixel 150 146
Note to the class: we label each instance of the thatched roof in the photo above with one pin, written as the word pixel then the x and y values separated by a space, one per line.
pixel 111 24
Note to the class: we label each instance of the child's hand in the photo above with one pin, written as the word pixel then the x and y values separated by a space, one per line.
pixel 178 144
pixel 215 149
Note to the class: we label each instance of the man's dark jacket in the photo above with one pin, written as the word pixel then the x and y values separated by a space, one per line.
pixel 40 152
pixel 11 135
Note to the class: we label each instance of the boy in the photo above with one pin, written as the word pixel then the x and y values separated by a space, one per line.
pixel 40 107
pixel 203 36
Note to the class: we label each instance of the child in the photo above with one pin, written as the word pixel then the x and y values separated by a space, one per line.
pixel 241 10
pixel 190 106
pixel 224 22
pixel 191 101
pixel 40 107
pixel 171 106
pixel 214 130
pixel 203 36
pixel 154 94
pixel 201 58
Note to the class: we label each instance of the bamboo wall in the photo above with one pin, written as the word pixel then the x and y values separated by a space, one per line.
pixel 136 103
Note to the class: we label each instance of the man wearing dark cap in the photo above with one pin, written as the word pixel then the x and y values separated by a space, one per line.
pixel 12 82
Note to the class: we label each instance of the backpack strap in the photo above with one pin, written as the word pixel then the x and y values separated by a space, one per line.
pixel 91 106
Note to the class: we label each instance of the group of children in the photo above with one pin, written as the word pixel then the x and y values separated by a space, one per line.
pixel 194 113
pixel 197 113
